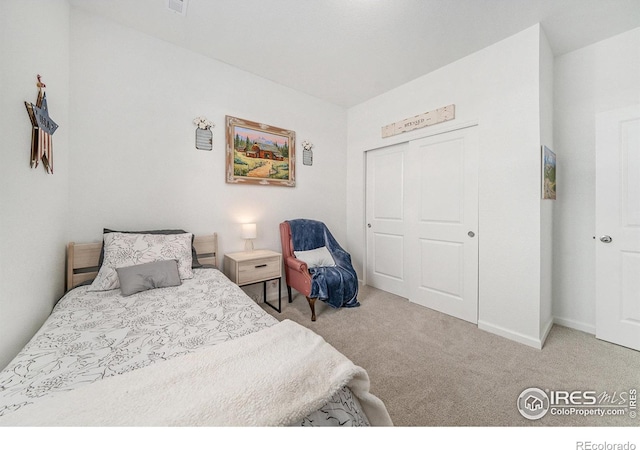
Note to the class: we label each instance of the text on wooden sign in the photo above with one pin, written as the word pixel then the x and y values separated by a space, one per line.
pixel 421 120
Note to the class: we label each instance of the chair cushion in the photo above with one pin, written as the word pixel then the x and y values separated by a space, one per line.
pixel 318 257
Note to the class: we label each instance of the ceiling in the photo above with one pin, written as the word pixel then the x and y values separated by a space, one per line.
pixel 348 51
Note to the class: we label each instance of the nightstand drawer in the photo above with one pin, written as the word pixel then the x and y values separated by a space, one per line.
pixel 258 269
pixel 252 267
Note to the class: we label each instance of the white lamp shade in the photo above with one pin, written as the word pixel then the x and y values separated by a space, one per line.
pixel 248 231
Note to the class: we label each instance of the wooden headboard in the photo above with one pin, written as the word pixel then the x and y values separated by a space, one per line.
pixel 83 259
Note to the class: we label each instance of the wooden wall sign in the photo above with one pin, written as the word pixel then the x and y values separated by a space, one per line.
pixel 422 120
pixel 43 129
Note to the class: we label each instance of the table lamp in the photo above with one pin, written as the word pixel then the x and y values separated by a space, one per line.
pixel 248 234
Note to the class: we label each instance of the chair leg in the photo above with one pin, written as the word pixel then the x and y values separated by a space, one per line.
pixel 289 292
pixel 312 305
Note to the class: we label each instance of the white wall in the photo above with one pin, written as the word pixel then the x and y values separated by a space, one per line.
pixel 134 164
pixel 497 87
pixel 546 206
pixel 133 160
pixel 33 217
pixel 597 78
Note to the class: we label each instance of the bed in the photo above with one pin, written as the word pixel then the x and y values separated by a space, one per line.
pixel 196 353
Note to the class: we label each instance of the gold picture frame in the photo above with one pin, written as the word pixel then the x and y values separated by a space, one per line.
pixel 259 154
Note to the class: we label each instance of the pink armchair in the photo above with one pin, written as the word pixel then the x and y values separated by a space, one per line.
pixel 332 280
pixel 296 272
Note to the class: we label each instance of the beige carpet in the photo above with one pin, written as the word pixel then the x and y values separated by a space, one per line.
pixel 434 370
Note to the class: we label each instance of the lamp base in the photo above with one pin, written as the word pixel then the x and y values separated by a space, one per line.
pixel 248 245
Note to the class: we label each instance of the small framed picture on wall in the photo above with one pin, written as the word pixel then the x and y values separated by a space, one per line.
pixel 548 174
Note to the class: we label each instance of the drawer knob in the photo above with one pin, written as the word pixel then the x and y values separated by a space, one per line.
pixel 261 265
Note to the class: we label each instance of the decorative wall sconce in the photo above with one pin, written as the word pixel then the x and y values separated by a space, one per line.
pixel 307 154
pixel 204 136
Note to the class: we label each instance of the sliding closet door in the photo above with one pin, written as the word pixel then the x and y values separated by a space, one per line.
pixel 385 199
pixel 441 184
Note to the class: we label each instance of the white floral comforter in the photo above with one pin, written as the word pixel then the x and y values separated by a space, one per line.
pixel 93 335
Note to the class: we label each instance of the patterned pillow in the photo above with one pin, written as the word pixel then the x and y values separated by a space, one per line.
pixel 194 257
pixel 124 249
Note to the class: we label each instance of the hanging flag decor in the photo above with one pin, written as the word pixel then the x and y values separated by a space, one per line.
pixel 43 129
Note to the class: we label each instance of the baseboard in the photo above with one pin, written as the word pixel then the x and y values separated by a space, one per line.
pixel 512 335
pixel 580 326
pixel 546 330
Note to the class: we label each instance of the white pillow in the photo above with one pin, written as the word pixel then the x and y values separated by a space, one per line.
pixel 318 257
pixel 128 249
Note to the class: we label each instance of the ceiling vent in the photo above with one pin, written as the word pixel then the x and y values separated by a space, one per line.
pixel 178 6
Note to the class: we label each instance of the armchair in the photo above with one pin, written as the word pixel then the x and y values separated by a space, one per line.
pixel 335 285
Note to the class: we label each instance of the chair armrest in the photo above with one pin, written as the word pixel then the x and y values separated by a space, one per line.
pixel 297 275
pixel 296 264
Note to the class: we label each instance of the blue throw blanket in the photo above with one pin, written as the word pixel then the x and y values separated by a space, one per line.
pixel 337 286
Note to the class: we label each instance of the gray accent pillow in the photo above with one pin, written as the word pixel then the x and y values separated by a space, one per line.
pixel 143 277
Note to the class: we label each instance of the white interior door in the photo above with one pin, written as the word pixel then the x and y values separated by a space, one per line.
pixel 618 227
pixel 385 197
pixel 442 223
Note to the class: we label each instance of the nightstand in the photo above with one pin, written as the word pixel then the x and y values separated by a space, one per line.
pixel 258 266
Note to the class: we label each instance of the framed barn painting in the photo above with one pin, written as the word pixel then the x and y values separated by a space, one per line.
pixel 259 153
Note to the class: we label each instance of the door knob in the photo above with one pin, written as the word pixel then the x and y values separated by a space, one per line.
pixel 606 239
